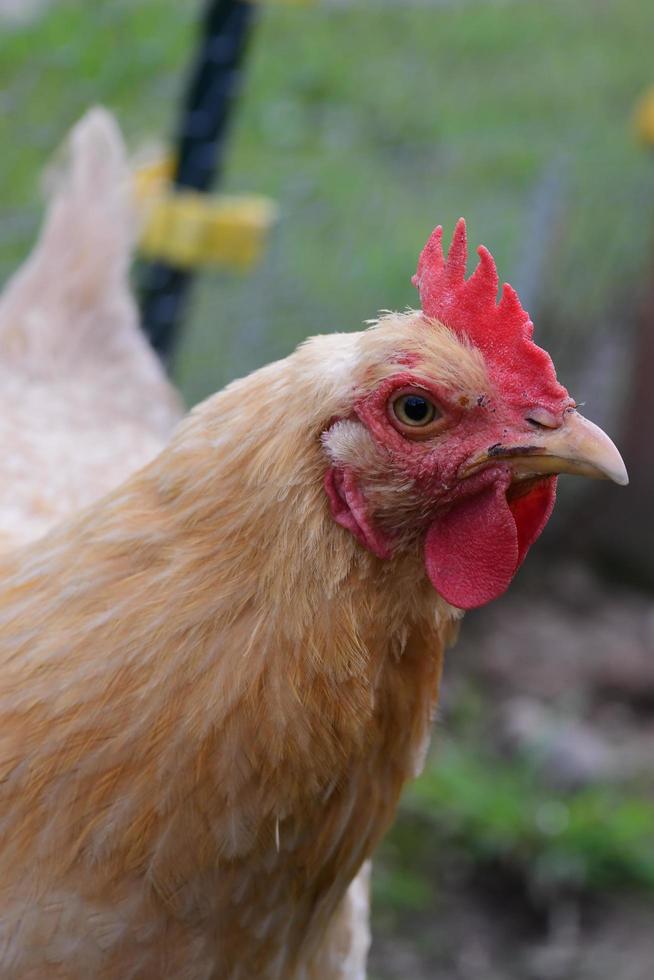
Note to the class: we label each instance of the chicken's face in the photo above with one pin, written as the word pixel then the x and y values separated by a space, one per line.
pixel 457 430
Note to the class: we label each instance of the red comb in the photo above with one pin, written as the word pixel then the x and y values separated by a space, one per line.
pixel 469 307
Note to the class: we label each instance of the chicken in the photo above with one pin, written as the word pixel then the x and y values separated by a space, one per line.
pixel 216 679
pixel 83 401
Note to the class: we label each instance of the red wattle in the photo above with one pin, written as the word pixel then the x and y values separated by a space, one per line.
pixel 532 512
pixel 473 550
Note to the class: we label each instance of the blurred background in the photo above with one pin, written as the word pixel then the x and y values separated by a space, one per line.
pixel 527 848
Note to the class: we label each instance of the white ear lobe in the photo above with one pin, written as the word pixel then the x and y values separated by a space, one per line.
pixel 348 443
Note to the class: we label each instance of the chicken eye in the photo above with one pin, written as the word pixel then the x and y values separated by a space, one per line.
pixel 414 410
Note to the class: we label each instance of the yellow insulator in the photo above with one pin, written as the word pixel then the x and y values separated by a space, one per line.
pixel 190 229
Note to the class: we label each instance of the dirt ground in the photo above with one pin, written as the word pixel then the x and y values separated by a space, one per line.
pixel 471 940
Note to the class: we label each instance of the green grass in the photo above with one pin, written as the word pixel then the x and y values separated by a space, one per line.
pixel 126 54
pixel 369 124
pixel 474 808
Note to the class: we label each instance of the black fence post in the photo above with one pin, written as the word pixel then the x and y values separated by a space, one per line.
pixel 200 144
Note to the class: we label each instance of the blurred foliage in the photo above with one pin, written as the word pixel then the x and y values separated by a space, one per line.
pixel 475 808
pixel 127 54
pixel 369 122
pixel 597 837
pixel 482 843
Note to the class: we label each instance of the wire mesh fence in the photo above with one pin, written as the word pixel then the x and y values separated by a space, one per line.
pixel 369 123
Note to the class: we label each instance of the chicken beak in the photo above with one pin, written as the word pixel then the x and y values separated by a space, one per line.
pixel 577 446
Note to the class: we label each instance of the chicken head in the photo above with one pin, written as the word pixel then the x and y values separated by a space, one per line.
pixel 457 432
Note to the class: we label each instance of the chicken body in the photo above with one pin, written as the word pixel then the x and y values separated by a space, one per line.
pixel 83 401
pixel 195 800
pixel 215 680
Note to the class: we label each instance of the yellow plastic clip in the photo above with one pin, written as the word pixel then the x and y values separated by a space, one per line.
pixel 190 230
pixel 644 117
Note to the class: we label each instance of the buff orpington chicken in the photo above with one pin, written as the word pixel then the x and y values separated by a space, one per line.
pixel 220 648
